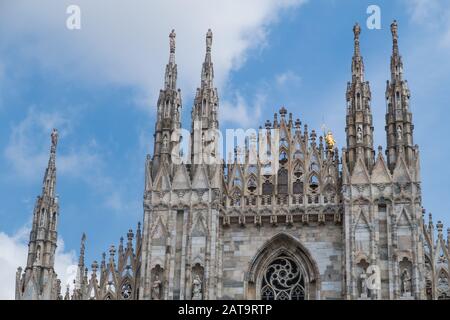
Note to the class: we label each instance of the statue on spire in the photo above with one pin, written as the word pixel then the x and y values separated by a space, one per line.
pixel 54 137
pixel 209 36
pixel 394 29
pixel 357 31
pixel 172 37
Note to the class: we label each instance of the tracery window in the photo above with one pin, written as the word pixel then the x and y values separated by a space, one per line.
pixel 297 187
pixel 443 286
pixel 283 279
pixel 282 181
pixel 267 188
pixel 126 291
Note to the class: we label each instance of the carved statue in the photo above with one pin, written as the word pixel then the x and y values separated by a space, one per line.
pixel 38 254
pixel 359 134
pixel 399 133
pixel 172 41
pixel 357 31
pixel 364 290
pixel 394 29
pixel 209 40
pixel 406 282
pixel 156 289
pixel 197 288
pixel 329 139
pixel 54 137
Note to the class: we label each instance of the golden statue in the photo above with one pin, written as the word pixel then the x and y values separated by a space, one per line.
pixel 329 139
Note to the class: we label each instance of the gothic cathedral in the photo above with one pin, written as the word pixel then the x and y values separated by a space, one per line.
pixel 324 225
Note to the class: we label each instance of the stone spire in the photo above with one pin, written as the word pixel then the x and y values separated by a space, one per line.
pixel 39 280
pixel 168 112
pixel 79 277
pixel 206 106
pixel 359 126
pixel 399 127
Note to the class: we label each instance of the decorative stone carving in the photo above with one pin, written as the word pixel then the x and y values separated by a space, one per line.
pixel 156 288
pixel 406 283
pixel 197 288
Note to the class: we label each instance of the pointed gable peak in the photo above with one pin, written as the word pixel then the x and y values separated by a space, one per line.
pixel 181 178
pixel 200 180
pixel 162 179
pixel 401 172
pixel 380 172
pixel 360 175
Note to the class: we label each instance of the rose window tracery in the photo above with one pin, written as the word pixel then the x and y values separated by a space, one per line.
pixel 283 279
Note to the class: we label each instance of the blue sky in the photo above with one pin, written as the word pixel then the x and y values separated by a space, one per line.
pixel 99 86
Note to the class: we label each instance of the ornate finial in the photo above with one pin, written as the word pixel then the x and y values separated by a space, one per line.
pixel 283 112
pixel 329 139
pixel 439 226
pixel 209 37
pixel 130 235
pixel 94 266
pixel 172 37
pixel 112 251
pixel 54 137
pixel 313 137
pixel 394 29
pixel 298 124
pixel 380 149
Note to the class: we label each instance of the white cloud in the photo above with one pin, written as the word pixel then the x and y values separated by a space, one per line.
pixel 287 78
pixel 240 112
pixel 433 15
pixel 13 253
pixel 127 44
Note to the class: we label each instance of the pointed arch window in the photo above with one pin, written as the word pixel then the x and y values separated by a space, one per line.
pixel 297 187
pixel 204 105
pixel 41 222
pixel 267 188
pixel 282 181
pixel 167 109
pixel 54 221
